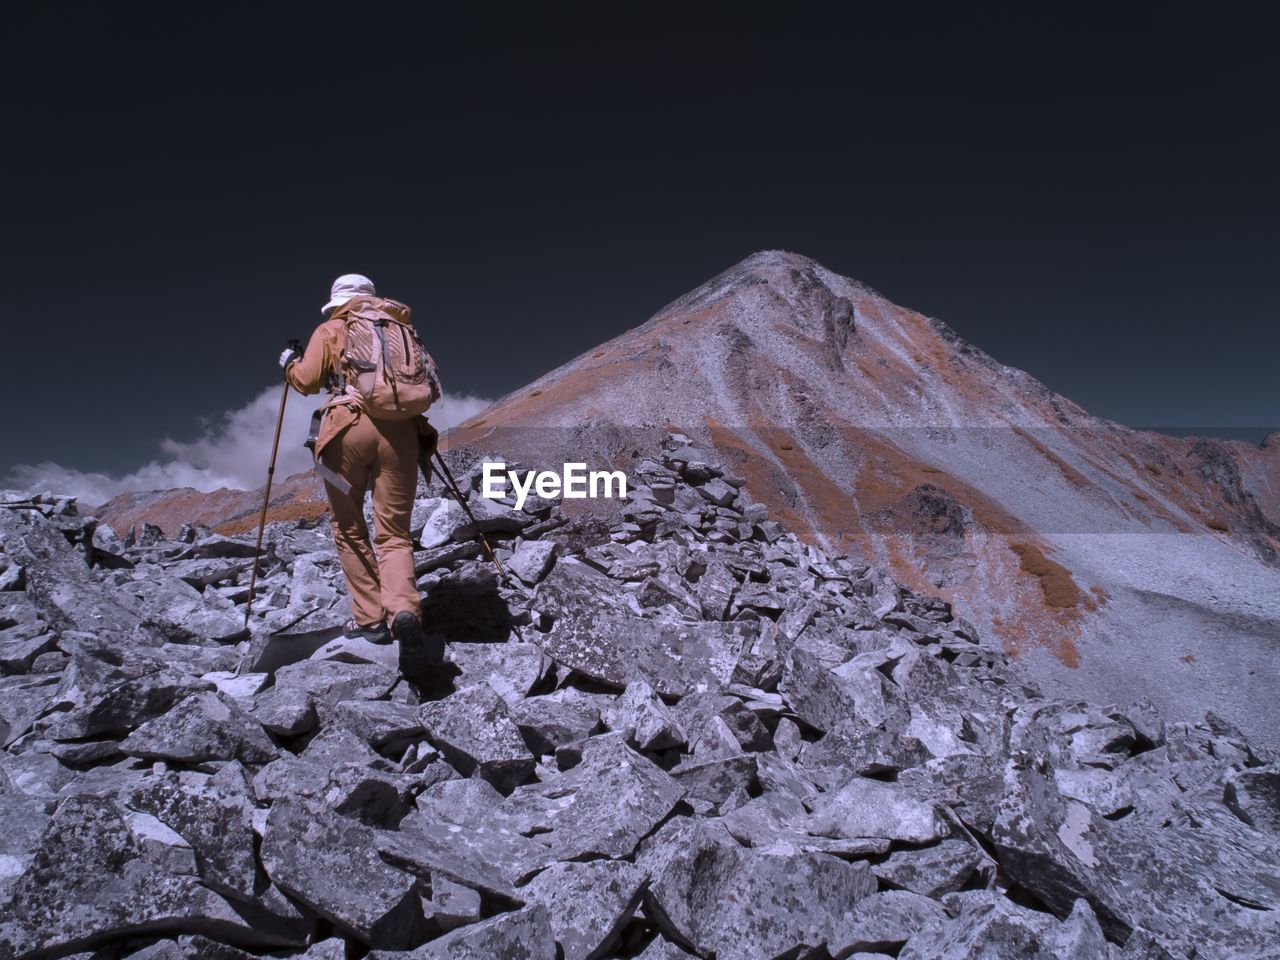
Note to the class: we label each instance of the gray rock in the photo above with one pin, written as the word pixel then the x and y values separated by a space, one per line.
pixel 718 492
pixel 491 517
pixel 511 669
pixel 715 590
pixel 828 698
pixel 59 585
pixel 723 717
pixel 989 927
pixel 646 722
pixel 871 808
pixel 1254 797
pixel 359 650
pixel 285 711
pixel 1146 721
pixel 660 949
pixel 308 774
pixel 484 854
pixel 12 577
pixel 328 682
pixel 1079 937
pixel 854 748
pixel 23 700
pixel 555 719
pixel 434 520
pixel 160 845
pixel 179 612
pixel 1062 851
pixel 17 655
pixel 475 731
pixel 206 572
pixel 767 819
pixel 666 588
pixel 931 871
pixel 205 726
pixel 716 780
pixel 459 801
pixel 215 545
pixel 57 906
pixel 372 795
pixel 160 950
pixel 125 706
pixel 596 636
pixel 532 560
pixel 384 725
pixel 602 807
pixel 425 561
pixel 452 904
pixel 717 897
pixel 883 922
pixel 331 864
pixel 215 820
pixel 588 903
pixel 85 752
pixel 519 935
pixel 24 820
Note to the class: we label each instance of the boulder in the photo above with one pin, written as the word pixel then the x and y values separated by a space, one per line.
pixel 532 560
pixel 641 716
pixel 588 903
pixel 484 853
pixel 883 922
pixel 719 898
pixel 519 935
pixel 475 731
pixel 331 864
pixel 872 808
pixel 987 926
pixel 511 669
pixel 125 706
pixel 205 726
pixel 328 682
pixel 91 882
pixel 216 820
pixel 602 807
pixel 555 719
pixel 931 871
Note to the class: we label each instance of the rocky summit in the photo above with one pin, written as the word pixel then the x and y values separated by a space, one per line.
pixel 678 732
pixel 1115 563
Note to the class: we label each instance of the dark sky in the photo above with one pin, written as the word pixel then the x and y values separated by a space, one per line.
pixel 1095 201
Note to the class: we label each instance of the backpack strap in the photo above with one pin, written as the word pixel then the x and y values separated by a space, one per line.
pixel 381 327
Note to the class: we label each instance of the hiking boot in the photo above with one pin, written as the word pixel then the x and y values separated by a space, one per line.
pixel 417 656
pixel 373 632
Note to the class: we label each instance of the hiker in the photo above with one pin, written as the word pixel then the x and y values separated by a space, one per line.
pixel 367 435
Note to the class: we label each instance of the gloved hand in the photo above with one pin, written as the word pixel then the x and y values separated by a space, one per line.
pixel 288 357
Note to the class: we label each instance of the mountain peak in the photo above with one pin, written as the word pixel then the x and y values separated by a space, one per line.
pixel 866 426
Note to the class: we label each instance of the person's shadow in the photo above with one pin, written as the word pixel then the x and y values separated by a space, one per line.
pixel 464 607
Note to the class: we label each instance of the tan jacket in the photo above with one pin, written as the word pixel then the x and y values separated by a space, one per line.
pixel 323 357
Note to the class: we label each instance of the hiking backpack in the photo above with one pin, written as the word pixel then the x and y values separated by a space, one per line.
pixel 382 364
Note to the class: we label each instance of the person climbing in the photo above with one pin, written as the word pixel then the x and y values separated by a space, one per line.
pixel 366 436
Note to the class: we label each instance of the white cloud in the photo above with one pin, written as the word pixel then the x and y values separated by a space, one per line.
pixel 232 452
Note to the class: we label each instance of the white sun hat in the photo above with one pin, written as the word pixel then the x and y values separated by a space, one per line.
pixel 345 287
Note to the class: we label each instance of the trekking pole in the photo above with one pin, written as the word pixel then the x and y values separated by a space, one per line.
pixel 462 502
pixel 296 346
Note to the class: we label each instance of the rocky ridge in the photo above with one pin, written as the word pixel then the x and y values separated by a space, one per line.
pixel 682 732
pixel 1115 563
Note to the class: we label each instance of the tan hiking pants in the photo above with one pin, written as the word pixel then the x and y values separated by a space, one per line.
pixel 383 455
